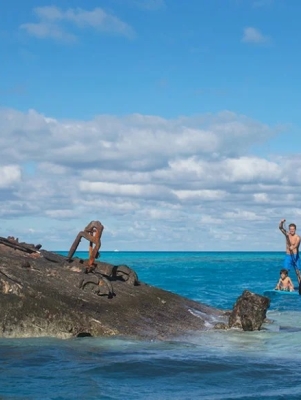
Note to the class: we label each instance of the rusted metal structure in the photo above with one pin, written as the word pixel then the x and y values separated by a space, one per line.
pixel 92 233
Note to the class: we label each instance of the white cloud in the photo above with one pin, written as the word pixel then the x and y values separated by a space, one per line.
pixel 153 182
pixel 61 214
pixel 253 35
pixel 126 190
pixel 261 197
pixel 44 30
pixel 243 215
pixel 55 23
pixel 9 175
pixel 251 169
pixel 200 194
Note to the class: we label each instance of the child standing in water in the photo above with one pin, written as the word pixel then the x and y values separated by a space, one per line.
pixel 285 282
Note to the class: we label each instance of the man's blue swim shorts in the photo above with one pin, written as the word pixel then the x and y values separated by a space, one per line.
pixel 292 261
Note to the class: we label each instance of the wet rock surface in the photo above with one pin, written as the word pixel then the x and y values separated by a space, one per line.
pixel 249 311
pixel 44 294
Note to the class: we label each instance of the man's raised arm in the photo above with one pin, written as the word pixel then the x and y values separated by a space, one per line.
pixel 281 227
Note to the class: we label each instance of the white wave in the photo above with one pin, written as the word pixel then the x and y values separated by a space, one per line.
pixel 279 339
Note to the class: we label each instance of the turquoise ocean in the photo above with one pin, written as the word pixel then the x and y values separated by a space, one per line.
pixel 207 365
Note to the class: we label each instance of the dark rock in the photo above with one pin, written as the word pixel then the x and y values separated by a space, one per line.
pixel 43 294
pixel 220 325
pixel 249 311
pixel 83 334
pixel 53 297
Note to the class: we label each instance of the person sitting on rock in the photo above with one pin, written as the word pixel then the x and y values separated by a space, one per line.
pixel 285 282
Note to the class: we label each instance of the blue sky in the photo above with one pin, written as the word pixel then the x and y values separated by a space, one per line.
pixel 167 115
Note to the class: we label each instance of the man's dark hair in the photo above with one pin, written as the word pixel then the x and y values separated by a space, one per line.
pixel 293 225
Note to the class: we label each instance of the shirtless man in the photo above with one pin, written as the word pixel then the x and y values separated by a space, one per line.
pixel 292 258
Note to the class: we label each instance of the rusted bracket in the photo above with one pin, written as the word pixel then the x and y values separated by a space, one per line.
pixel 92 233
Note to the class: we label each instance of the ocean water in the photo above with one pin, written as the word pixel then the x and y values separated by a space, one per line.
pixel 208 365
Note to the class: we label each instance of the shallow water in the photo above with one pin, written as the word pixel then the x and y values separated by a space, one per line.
pixel 208 365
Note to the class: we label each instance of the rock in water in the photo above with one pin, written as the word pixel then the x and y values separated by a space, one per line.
pixel 44 294
pixel 249 311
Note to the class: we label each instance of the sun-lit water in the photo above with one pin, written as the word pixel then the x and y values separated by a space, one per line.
pixel 211 365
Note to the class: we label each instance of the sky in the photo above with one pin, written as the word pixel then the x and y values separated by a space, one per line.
pixel 175 123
